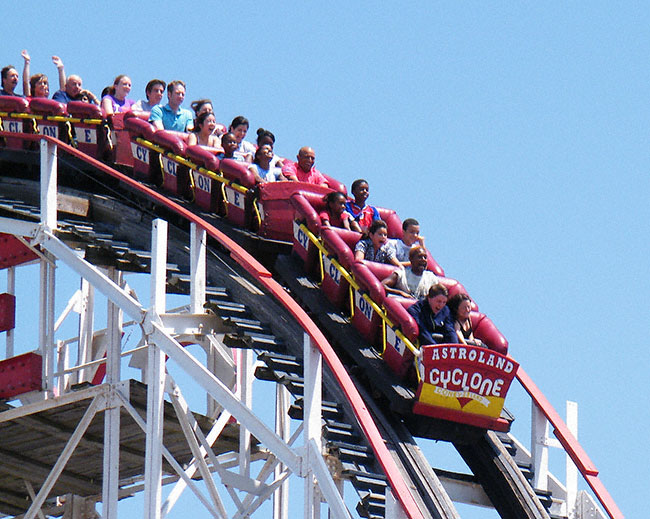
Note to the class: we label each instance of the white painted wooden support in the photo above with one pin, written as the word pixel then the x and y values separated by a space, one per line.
pixel 18 227
pixel 46 324
pixel 86 327
pixel 61 366
pixel 245 390
pixel 394 509
pixel 74 303
pixel 283 430
pixel 191 324
pixel 539 448
pixel 571 469
pixel 203 449
pixel 467 492
pixel 155 377
pixel 100 281
pixel 253 504
pixel 170 459
pixel 48 360
pixel 265 472
pixel 63 458
pixel 111 477
pixel 42 309
pixel 326 484
pixel 32 496
pixel 313 364
pixel 158 265
pixel 192 468
pixel 188 426
pixel 44 405
pixel 11 289
pixel 222 394
pixel 48 184
pixel 588 508
pixel 198 243
pixel 220 363
pixel 341 490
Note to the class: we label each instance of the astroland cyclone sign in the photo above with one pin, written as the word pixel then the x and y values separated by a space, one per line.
pixel 465 378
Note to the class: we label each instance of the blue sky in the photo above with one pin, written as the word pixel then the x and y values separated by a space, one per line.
pixel 516 134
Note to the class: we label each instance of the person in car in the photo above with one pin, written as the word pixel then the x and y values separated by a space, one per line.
pixel 414 280
pixel 433 317
pixel 304 170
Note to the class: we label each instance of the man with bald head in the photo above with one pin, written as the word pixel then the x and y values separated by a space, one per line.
pixel 304 170
pixel 71 91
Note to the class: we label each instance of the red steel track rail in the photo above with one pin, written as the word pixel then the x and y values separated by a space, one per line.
pixel 265 278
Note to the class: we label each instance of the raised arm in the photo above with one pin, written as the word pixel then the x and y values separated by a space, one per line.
pixel 58 63
pixel 26 87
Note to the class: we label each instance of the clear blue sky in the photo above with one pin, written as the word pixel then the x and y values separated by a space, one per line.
pixel 517 135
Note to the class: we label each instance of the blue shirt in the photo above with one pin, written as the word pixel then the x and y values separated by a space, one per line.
pixel 429 324
pixel 62 97
pixel 178 122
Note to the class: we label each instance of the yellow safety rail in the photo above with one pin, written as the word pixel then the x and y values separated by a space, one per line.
pixel 69 121
pixel 57 118
pixel 193 167
pixel 20 115
pixel 355 286
pixel 258 216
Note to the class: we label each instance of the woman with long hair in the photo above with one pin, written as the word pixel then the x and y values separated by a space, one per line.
pixel 203 133
pixel 116 99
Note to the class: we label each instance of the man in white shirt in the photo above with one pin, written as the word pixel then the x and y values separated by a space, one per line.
pixel 414 280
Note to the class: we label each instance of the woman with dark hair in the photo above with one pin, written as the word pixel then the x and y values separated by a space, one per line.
pixel 266 137
pixel 203 133
pixel 201 105
pixel 115 100
pixel 460 305
pixel 239 128
pixel 262 166
pixel 335 214
pixel 373 246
